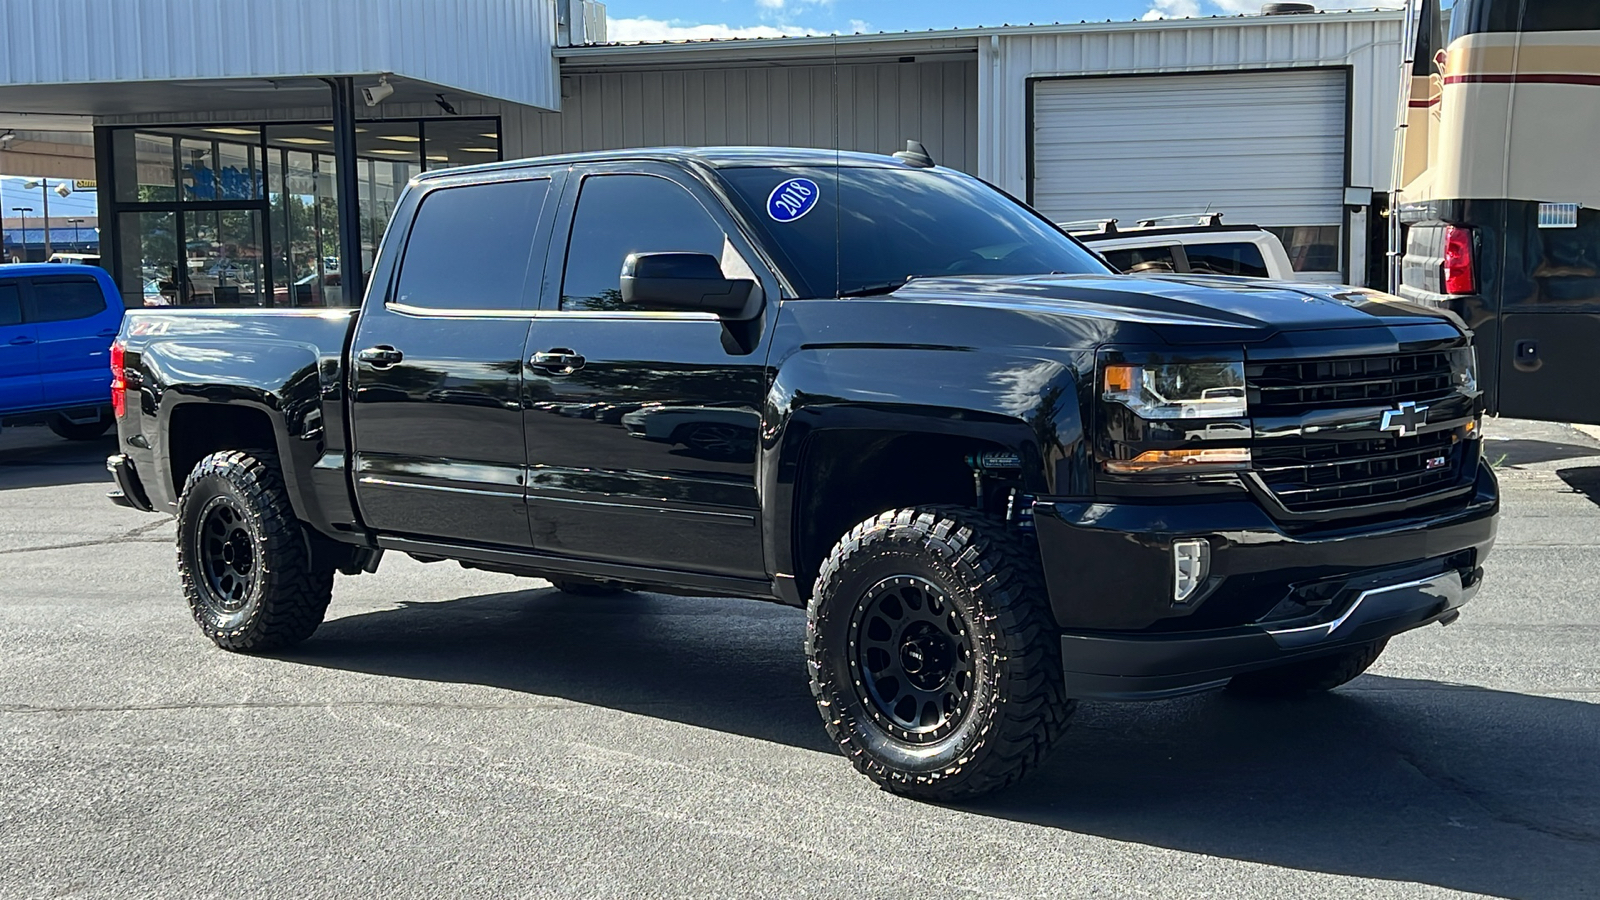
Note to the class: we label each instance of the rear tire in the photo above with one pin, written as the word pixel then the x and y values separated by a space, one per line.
pixel 248 571
pixel 1313 675
pixel 934 661
pixel 582 587
pixel 78 431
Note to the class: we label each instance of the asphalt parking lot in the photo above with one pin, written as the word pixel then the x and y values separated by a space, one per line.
pixel 453 733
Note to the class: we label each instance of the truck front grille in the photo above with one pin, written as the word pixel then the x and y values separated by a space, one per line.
pixel 1312 476
pixel 1293 387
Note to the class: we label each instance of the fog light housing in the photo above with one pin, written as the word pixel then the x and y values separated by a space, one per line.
pixel 1191 565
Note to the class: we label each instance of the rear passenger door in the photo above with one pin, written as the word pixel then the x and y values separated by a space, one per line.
pixel 438 356
pixel 19 352
pixel 642 447
pixel 75 326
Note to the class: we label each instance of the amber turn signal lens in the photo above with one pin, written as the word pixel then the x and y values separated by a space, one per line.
pixel 1171 460
pixel 1119 379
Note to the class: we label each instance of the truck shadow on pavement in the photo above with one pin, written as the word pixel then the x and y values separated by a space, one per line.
pixel 1416 781
pixel 1583 480
pixel 32 457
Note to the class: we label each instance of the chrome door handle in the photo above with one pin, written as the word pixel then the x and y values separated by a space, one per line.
pixel 380 357
pixel 557 361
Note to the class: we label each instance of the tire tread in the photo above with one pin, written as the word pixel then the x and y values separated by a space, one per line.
pixel 1006 570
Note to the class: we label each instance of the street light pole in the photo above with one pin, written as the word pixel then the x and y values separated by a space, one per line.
pixel 63 190
pixel 77 242
pixel 23 211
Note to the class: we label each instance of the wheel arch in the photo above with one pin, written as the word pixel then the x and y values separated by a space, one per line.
pixel 849 432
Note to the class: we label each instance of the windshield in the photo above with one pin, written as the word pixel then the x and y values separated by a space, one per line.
pixel 874 228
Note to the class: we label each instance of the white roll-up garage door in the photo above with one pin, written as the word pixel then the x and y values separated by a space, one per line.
pixel 1265 148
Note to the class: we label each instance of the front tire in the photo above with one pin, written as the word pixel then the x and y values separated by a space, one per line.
pixel 1311 676
pixel 933 659
pixel 248 571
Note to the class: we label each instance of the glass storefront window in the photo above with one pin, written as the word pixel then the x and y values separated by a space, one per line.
pixel 149 252
pixel 461 142
pixel 143 166
pixel 223 257
pixel 249 214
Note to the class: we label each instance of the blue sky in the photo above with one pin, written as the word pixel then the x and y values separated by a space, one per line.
pixel 81 203
pixel 680 19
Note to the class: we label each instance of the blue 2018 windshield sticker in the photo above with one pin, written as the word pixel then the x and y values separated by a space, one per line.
pixel 792 199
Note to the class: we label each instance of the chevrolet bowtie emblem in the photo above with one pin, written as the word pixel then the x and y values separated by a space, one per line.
pixel 1406 419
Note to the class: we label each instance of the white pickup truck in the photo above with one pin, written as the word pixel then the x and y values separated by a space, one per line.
pixel 1197 243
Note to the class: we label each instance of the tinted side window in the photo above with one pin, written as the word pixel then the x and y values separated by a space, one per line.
pixel 1476 16
pixel 470 247
pixel 622 214
pixel 1226 259
pixel 1142 259
pixel 10 304
pixel 63 299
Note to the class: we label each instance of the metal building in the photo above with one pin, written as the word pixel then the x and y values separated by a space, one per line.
pixel 220 136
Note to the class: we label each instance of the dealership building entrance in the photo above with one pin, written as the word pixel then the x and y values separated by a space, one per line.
pixel 263 173
pixel 250 214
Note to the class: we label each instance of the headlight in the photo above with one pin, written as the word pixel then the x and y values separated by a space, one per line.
pixel 1213 390
pixel 1464 369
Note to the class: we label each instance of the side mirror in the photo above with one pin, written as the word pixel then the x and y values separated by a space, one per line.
pixel 691 282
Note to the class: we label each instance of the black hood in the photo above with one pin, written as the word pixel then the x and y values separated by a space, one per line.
pixel 1186 308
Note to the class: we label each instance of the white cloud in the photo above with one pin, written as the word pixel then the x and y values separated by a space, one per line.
pixel 791 4
pixel 860 26
pixel 639 29
pixel 1172 9
pixel 1251 7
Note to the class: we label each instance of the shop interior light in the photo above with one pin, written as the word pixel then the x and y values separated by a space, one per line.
pixel 304 140
pixel 403 138
pixel 387 151
pixel 479 150
pixel 249 131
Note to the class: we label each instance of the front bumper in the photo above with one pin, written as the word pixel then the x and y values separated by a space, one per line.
pixel 1149 667
pixel 1273 595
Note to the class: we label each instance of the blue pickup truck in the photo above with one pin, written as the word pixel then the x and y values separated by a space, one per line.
pixel 56 327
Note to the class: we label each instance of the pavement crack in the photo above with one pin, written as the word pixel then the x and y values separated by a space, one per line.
pixel 1574 834
pixel 135 536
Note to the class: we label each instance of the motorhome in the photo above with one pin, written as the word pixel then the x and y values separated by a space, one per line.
pixel 1497 202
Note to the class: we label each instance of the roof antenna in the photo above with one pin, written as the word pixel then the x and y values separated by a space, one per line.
pixel 915 155
pixel 838 199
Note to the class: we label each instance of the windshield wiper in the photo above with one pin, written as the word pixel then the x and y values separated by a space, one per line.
pixel 873 290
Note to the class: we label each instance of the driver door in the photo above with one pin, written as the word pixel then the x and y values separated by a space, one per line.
pixel 642 426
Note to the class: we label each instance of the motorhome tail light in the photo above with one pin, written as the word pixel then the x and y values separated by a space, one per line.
pixel 1460 270
pixel 119 384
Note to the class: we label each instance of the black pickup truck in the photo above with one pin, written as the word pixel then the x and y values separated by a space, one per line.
pixel 998 476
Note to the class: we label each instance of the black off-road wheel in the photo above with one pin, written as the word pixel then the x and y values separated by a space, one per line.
pixel 583 587
pixel 1311 676
pixel 78 431
pixel 247 565
pixel 933 657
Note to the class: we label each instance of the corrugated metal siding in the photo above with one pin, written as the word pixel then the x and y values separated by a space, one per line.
pixel 1368 42
pixel 1266 148
pixel 495 48
pixel 880 106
